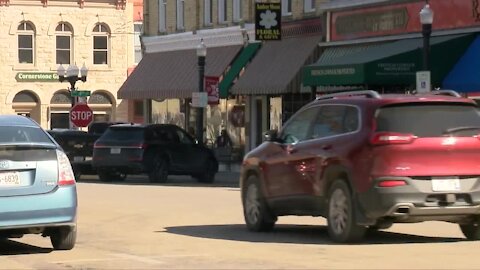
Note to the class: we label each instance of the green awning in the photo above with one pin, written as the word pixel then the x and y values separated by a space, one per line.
pixel 238 64
pixel 387 63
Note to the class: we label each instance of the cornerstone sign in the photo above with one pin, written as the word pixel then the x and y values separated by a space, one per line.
pixel 398 19
pixel 36 77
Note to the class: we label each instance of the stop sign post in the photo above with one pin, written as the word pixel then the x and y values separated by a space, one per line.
pixel 81 115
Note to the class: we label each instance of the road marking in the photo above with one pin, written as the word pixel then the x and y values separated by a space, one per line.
pixel 137 258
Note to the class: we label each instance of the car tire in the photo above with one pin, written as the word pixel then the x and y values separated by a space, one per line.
pixel 341 215
pixel 471 231
pixel 209 175
pixel 159 170
pixel 258 217
pixel 64 238
pixel 105 176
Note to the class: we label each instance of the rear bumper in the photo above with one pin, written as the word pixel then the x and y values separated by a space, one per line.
pixel 118 166
pixel 417 202
pixel 57 208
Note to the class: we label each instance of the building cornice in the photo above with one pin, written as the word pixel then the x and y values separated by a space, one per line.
pixel 118 4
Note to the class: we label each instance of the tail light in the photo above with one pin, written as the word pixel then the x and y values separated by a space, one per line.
pixel 381 138
pixel 65 172
pixel 140 146
pixel 391 183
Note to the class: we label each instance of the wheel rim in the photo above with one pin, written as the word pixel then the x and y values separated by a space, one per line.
pixel 338 210
pixel 252 204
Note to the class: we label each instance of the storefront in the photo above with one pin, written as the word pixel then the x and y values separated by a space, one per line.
pixel 381 47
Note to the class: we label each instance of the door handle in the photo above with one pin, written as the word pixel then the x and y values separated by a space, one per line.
pixel 327 147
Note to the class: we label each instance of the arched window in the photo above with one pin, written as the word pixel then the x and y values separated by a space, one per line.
pixel 26 43
pixel 64 35
pixel 101 44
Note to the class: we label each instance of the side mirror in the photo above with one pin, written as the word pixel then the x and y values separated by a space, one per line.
pixel 271 135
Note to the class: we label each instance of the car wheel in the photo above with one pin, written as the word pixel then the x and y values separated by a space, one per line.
pixel 257 215
pixel 471 230
pixel 209 175
pixel 105 176
pixel 159 171
pixel 64 238
pixel 341 217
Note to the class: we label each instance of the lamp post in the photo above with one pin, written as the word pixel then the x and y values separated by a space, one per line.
pixel 426 18
pixel 71 75
pixel 201 55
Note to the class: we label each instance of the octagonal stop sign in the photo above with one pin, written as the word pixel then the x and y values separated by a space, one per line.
pixel 81 115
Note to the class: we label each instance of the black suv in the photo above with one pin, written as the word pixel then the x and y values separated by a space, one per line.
pixel 156 149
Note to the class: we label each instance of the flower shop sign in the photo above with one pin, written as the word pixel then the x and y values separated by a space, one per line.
pixel 268 21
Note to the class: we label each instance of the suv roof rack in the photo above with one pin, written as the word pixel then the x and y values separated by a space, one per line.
pixel 446 93
pixel 367 93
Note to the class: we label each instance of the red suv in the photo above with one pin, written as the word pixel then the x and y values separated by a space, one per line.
pixel 365 161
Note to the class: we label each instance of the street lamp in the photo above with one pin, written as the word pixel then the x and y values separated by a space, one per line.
pixel 201 54
pixel 71 75
pixel 426 18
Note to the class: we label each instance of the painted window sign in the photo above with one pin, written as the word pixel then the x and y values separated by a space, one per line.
pixel 211 86
pixel 268 21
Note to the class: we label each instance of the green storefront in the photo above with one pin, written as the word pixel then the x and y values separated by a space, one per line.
pixel 385 65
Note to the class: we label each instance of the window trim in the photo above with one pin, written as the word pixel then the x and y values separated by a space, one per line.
pixel 137 48
pixel 180 15
pixel 207 12
pixel 106 34
pixel 222 9
pixel 32 35
pixel 237 11
pixel 309 6
pixel 285 3
pixel 162 20
pixel 64 33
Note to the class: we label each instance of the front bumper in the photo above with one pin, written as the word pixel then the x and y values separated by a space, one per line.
pixel 416 201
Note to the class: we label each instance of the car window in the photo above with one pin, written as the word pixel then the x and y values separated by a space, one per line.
pixel 14 134
pixel 335 120
pixel 298 127
pixel 183 137
pixel 428 120
pixel 124 134
pixel 167 135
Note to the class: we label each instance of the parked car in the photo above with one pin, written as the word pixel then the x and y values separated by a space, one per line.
pixel 37 185
pixel 365 161
pixel 78 145
pixel 158 150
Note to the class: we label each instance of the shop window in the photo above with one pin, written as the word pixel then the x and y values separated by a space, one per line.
pixel 63 44
pixel 162 16
pixel 138 108
pixel 101 36
pixel 286 7
pixel 180 14
pixel 207 15
pixel 26 43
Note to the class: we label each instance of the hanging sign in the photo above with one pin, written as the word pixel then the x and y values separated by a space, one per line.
pixel 268 21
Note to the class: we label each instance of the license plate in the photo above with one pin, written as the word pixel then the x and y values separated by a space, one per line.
pixel 88 158
pixel 445 184
pixel 115 151
pixel 9 179
pixel 78 159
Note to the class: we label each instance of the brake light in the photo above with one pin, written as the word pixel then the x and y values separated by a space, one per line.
pixel 380 138
pixel 65 172
pixel 391 183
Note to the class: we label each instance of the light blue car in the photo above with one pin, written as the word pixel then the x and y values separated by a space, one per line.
pixel 37 186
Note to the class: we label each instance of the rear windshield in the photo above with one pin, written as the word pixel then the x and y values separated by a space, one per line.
pixel 429 120
pixel 19 134
pixel 124 134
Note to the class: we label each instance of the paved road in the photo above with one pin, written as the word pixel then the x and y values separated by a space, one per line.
pixel 185 225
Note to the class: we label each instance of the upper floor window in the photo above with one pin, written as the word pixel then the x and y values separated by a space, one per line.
pixel 222 11
pixel 308 6
pixel 286 7
pixel 162 16
pixel 207 15
pixel 180 14
pixel 63 39
pixel 101 44
pixel 26 43
pixel 237 10
pixel 137 29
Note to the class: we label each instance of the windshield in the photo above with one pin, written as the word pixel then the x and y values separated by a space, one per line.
pixel 21 135
pixel 429 120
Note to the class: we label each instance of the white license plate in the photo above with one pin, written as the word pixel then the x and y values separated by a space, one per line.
pixel 115 150
pixel 445 184
pixel 78 159
pixel 10 179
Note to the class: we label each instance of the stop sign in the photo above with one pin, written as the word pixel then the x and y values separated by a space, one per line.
pixel 81 115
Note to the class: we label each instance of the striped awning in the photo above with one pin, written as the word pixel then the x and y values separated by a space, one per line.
pixel 174 74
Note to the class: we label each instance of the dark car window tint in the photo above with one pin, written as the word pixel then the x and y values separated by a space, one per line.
pixel 183 137
pixel 350 121
pixel 124 134
pixel 428 120
pixel 13 134
pixel 329 121
pixel 298 127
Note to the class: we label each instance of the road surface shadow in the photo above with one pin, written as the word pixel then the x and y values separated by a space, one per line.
pixel 296 234
pixel 174 181
pixel 11 247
